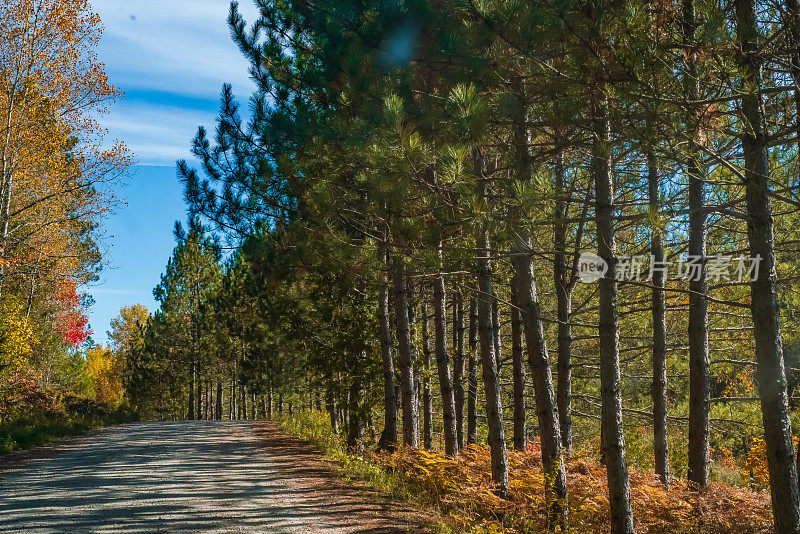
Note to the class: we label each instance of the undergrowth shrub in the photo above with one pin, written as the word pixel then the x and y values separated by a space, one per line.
pixel 31 415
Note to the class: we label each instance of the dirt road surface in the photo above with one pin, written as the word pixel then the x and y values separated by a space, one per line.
pixel 194 476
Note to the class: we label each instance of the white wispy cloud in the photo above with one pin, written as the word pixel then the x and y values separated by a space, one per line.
pixel 180 46
pixel 171 58
pixel 155 133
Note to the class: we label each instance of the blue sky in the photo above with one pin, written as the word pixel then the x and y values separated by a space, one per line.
pixel 170 58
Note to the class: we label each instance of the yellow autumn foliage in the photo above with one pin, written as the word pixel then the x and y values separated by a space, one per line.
pixel 16 335
pixel 104 370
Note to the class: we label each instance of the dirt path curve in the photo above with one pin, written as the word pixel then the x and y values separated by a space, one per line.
pixel 192 476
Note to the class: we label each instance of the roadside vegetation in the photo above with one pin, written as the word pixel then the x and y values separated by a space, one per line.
pixel 458 492
pixel 57 176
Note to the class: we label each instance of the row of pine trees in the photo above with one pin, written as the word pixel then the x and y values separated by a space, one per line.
pixel 409 193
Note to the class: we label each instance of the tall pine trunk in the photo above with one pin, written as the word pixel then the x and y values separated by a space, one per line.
pixel 333 411
pixel 191 392
pixel 458 365
pixel 763 287
pixel 443 361
pixel 404 358
pixel 491 373
pixel 427 399
pixel 219 400
pixel 472 390
pixel 355 423
pixel 269 399
pixel 563 282
pixel 199 400
pixel 699 385
pixel 388 440
pixel 498 345
pixel 659 386
pixel 517 355
pixel 232 401
pixel 538 360
pixel 613 441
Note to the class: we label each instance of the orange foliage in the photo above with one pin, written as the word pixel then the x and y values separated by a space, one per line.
pixel 54 165
pixel 756 461
pixel 463 490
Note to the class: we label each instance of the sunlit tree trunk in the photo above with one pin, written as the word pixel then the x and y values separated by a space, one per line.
pixel 458 365
pixel 191 392
pixel 269 399
pixel 517 354
pixel 498 345
pixel 443 362
pixel 613 441
pixel 472 390
pixel 333 412
pixel 427 399
pixel 699 385
pixel 388 439
pixel 355 423
pixel 659 387
pixel 404 358
pixel 491 375
pixel 243 400
pixel 564 283
pixel 763 287
pixel 541 377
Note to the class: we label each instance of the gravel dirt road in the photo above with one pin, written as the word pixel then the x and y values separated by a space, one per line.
pixel 191 476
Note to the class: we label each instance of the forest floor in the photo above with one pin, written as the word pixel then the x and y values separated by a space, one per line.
pixel 190 476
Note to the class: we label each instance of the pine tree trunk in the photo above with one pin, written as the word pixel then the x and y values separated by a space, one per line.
pixel 232 401
pixel 699 386
pixel 427 399
pixel 793 30
pixel 191 392
pixel 659 392
pixel 388 439
pixel 498 346
pixel 472 390
pixel 354 424
pixel 219 400
pixel 771 375
pixel 199 382
pixel 415 352
pixel 209 399
pixel 517 354
pixel 613 441
pixel 443 362
pixel 563 286
pixel 243 399
pixel 491 375
pixel 333 412
pixel 404 359
pixel 253 406
pixel 269 399
pixel 538 360
pixel 458 365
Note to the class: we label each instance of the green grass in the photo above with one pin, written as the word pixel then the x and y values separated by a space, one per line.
pixel 315 428
pixel 24 434
pixel 18 436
